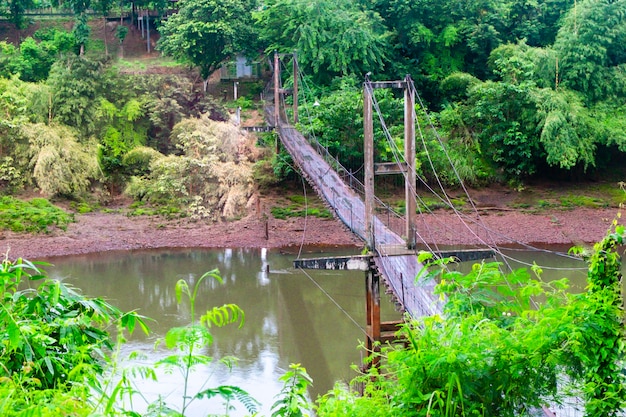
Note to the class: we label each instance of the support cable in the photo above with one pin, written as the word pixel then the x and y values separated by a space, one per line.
pixel 333 301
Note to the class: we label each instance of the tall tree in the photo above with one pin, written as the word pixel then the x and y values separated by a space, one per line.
pixel 17 9
pixel 591 51
pixel 81 29
pixel 103 7
pixel 205 32
pixel 77 87
pixel 332 37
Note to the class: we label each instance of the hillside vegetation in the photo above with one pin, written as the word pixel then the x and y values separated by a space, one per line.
pixel 90 105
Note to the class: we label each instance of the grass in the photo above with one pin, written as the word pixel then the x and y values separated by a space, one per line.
pixel 35 216
pixel 298 206
pixel 142 64
pixel 83 207
pixel 283 213
pixel 571 201
pixel 139 208
pixel 597 196
pixel 427 204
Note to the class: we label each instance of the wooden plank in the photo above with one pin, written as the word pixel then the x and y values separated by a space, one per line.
pixel 460 255
pixel 350 263
pixel 388 168
pixel 391 326
pixel 257 128
pixel 388 84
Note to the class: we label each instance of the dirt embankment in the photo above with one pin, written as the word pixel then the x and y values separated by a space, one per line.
pixel 99 232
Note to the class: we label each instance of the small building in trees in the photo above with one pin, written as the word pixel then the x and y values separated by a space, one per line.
pixel 241 68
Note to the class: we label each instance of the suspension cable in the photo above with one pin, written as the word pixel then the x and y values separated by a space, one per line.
pixel 333 300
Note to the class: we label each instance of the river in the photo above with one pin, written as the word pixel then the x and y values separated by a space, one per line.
pixel 288 318
pixel 315 318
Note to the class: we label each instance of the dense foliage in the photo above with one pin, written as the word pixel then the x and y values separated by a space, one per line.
pixel 53 343
pixel 516 89
pixel 36 215
pixel 507 343
pixel 205 32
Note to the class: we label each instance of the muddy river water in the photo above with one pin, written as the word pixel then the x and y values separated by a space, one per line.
pixel 315 318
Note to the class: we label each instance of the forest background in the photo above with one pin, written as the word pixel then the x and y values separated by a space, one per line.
pixel 518 92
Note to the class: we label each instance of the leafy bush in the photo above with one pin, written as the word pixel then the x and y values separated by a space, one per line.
pixel 137 161
pixel 53 343
pixel 11 179
pixel 264 175
pixel 36 215
pixel 292 401
pixel 61 164
pixel 498 351
pixel 213 179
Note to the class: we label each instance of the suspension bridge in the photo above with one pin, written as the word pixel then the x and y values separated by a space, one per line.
pixel 389 238
pixel 392 257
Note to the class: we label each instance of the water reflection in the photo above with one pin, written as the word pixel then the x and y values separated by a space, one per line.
pixel 288 319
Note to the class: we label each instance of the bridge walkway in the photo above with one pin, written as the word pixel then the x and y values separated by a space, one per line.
pixel 397 270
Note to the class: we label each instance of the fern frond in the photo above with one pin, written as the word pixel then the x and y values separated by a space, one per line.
pixel 224 315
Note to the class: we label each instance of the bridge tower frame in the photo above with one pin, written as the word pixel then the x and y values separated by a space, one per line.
pixel 407 168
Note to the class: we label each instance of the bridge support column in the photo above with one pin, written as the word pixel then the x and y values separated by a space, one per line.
pixel 409 156
pixel 368 154
pixel 276 97
pixel 372 300
pixel 296 74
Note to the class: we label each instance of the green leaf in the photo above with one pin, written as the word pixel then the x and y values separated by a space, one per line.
pixel 14 335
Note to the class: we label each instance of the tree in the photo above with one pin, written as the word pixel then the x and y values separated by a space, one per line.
pixel 203 33
pixel 589 47
pixel 35 60
pixel 338 122
pixel 522 122
pixel 211 179
pixel 76 86
pixel 60 164
pixel 122 130
pixel 81 29
pixel 17 8
pixel 331 37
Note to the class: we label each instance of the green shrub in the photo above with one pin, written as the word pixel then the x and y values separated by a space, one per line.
pixel 297 198
pixel 12 179
pixel 505 343
pixel 283 213
pixel 36 215
pixel 53 342
pixel 137 161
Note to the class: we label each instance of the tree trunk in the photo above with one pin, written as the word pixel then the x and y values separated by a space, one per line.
pixel 104 30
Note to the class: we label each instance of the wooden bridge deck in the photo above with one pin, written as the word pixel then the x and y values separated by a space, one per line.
pixel 398 271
